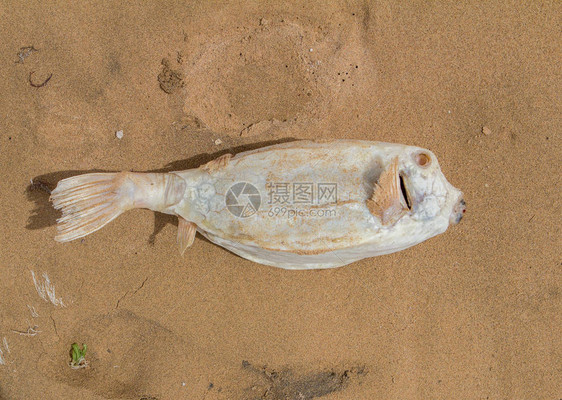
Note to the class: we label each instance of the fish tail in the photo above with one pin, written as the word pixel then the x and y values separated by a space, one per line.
pixel 88 202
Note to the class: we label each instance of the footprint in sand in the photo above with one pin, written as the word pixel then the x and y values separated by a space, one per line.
pixel 129 357
pixel 275 74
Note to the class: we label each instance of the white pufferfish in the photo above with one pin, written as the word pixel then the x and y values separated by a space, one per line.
pixel 296 205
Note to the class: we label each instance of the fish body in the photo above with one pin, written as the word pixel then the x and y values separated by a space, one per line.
pixel 297 205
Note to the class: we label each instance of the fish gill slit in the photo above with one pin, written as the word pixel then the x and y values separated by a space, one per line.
pixel 405 192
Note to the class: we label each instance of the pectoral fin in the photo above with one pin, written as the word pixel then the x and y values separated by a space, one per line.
pixel 387 202
pixel 217 163
pixel 186 234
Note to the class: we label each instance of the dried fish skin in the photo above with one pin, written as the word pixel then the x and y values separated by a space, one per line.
pixel 297 205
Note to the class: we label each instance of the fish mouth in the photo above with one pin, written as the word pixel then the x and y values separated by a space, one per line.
pixel 458 211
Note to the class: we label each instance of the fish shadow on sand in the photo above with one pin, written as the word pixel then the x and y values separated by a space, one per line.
pixel 40 187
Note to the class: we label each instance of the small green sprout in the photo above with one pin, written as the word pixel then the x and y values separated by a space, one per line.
pixel 77 354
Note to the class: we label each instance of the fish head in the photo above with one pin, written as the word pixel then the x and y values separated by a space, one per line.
pixel 427 193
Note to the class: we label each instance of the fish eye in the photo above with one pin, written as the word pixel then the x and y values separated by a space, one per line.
pixel 422 159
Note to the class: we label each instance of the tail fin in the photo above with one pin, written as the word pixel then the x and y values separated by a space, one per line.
pixel 88 202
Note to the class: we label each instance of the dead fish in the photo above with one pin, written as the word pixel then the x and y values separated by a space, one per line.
pixel 297 205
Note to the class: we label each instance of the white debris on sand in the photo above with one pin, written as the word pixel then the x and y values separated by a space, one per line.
pixel 218 142
pixel 2 359
pixel 34 313
pixel 31 331
pixel 119 135
pixel 46 290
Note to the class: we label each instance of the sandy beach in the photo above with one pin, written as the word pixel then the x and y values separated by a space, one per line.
pixel 474 313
